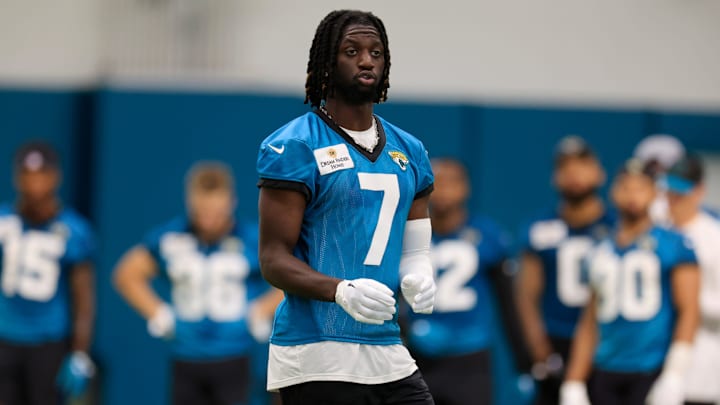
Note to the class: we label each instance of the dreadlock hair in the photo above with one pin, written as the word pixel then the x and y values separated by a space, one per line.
pixel 324 50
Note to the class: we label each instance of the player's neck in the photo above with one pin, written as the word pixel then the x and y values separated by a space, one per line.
pixel 210 238
pixel 38 212
pixel 449 222
pixel 582 213
pixel 630 229
pixel 682 219
pixel 355 117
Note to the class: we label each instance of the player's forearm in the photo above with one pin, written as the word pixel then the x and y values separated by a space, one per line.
pixel 686 324
pixel 294 276
pixel 83 304
pixel 268 302
pixel 138 294
pixel 533 329
pixel 686 288
pixel 583 347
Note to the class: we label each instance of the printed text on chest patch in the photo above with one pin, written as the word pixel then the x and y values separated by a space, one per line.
pixel 333 158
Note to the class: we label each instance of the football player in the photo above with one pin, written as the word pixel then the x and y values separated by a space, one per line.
pixel 551 289
pixel 216 310
pixel 685 190
pixel 452 345
pixel 47 299
pixel 636 332
pixel 343 225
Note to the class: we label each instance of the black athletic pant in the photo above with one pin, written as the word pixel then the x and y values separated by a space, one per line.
pixel 28 373
pixel 223 382
pixel 459 380
pixel 607 387
pixel 548 390
pixel 408 391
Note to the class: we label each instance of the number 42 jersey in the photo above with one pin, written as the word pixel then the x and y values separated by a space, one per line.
pixel 35 264
pixel 354 220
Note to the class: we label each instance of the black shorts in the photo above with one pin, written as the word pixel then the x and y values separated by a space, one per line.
pixel 459 380
pixel 548 390
pixel 408 391
pixel 222 382
pixel 28 373
pixel 607 387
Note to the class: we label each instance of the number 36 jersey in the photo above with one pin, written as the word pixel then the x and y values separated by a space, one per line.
pixel 210 288
pixel 35 266
pixel 634 303
pixel 353 225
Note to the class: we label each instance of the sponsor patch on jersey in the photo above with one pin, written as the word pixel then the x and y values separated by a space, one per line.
pixel 472 236
pixel 400 159
pixel 333 158
pixel 647 243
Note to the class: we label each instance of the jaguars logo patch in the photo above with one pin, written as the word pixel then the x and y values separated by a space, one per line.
pixel 232 244
pixel 399 158
pixel 647 243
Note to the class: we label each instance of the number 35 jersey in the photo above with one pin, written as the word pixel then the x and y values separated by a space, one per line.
pixel 634 304
pixel 353 225
pixel 561 250
pixel 462 320
pixel 35 266
pixel 210 288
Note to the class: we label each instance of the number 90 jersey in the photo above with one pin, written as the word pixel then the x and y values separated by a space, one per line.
pixel 561 250
pixel 462 319
pixel 35 265
pixel 357 206
pixel 634 306
pixel 210 287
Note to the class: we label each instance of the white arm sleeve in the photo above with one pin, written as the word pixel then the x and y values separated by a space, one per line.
pixel 415 257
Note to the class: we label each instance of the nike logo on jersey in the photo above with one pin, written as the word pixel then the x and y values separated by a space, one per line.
pixel 277 150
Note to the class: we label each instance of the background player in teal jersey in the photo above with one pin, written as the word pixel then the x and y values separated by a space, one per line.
pixel 636 332
pixel 343 225
pixel 219 300
pixel 551 289
pixel 452 345
pixel 47 297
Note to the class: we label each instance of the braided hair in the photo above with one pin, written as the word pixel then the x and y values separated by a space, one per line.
pixel 324 50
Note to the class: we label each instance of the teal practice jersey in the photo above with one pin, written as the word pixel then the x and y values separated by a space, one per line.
pixel 561 250
pixel 211 288
pixel 634 304
pixel 357 207
pixel 462 319
pixel 36 262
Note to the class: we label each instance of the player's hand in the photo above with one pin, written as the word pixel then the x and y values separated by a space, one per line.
pixel 162 323
pixel 75 372
pixel 259 325
pixel 574 393
pixel 667 390
pixel 366 300
pixel 419 292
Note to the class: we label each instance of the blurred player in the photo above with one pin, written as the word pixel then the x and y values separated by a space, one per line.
pixel 453 344
pixel 343 224
pixel 211 263
pixel 685 192
pixel 659 152
pixel 635 334
pixel 551 289
pixel 47 299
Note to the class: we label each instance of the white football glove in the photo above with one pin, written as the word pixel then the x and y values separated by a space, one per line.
pixel 162 323
pixel 419 291
pixel 259 326
pixel 669 388
pixel 574 393
pixel 366 300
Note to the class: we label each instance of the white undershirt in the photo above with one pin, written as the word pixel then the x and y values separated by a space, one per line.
pixel 368 138
pixel 337 361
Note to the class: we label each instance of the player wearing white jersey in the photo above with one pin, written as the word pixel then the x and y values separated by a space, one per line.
pixel 685 191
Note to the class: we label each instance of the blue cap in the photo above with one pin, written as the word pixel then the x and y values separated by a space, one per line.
pixel 684 175
pixel 678 185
